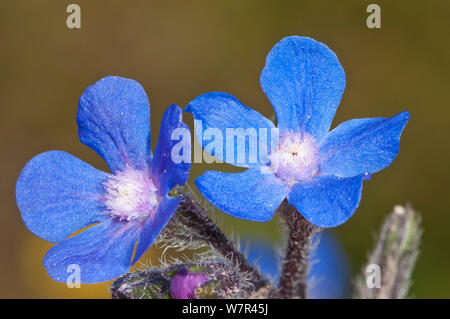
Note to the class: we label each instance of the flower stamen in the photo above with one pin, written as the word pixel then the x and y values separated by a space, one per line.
pixel 130 195
pixel 295 159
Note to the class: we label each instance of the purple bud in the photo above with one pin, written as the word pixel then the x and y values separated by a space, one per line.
pixel 184 283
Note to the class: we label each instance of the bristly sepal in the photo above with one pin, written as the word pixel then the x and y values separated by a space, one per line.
pixel 215 278
pixel 394 257
pixel 146 284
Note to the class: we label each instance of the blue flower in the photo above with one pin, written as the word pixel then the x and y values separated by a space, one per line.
pixel 58 194
pixel 320 172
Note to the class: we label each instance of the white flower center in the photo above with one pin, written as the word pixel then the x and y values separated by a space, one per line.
pixel 130 195
pixel 295 159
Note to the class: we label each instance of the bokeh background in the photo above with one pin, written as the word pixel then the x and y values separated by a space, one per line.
pixel 180 49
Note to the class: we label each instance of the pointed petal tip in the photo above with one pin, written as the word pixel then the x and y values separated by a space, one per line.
pixel 404 115
pixel 175 108
pixel 362 145
pixel 167 170
pixel 188 108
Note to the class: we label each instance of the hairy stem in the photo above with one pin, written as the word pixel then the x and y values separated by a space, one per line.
pixel 293 280
pixel 195 217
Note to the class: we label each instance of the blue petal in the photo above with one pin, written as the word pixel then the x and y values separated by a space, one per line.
pixel 113 119
pixel 58 194
pixel 248 195
pixel 221 111
pixel 155 224
pixel 166 171
pixel 362 145
pixel 304 81
pixel 102 252
pixel 327 201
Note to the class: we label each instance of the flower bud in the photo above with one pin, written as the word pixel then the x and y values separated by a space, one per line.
pixel 185 283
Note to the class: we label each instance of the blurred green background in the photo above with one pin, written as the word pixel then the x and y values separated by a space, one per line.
pixel 180 49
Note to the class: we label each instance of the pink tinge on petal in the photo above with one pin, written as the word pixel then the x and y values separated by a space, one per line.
pixel 296 158
pixel 130 195
pixel 184 283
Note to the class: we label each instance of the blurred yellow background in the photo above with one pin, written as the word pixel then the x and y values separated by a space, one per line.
pixel 180 49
